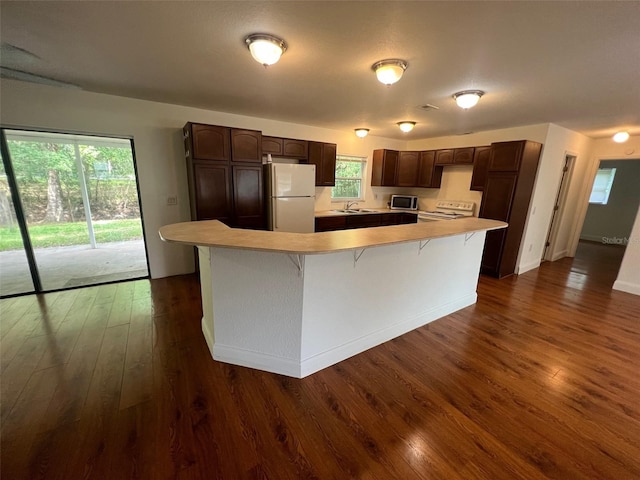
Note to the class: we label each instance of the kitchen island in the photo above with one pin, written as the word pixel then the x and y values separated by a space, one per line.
pixel 295 303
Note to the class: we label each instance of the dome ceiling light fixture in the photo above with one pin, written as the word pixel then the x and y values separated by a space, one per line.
pixel 406 126
pixel 467 98
pixel 362 132
pixel 265 49
pixel 621 137
pixel 389 71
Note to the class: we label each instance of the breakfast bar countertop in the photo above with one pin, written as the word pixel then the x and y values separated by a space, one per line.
pixel 213 233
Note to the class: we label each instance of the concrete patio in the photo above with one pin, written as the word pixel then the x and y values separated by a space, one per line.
pixel 74 266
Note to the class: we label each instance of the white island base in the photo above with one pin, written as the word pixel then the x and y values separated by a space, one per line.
pixel 295 314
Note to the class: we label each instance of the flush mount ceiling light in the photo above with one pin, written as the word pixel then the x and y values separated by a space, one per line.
pixel 265 49
pixel 406 126
pixel 362 132
pixel 621 137
pixel 467 98
pixel 389 71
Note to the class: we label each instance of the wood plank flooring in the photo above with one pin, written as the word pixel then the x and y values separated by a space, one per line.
pixel 538 380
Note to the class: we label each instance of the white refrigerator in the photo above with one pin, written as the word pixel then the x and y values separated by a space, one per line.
pixel 291 197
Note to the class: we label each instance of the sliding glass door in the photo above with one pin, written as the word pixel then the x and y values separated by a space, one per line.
pixel 15 274
pixel 79 202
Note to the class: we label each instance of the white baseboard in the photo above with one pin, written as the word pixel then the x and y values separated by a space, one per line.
pixel 559 255
pixel 301 369
pixel 627 287
pixel 525 268
pixel 260 361
pixel 208 334
pixel 592 238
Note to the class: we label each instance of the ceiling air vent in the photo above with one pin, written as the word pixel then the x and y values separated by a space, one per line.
pixel 427 107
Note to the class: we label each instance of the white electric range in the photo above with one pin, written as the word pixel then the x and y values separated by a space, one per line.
pixel 447 210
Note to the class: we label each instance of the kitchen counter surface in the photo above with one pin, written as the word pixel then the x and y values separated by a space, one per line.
pixel 212 233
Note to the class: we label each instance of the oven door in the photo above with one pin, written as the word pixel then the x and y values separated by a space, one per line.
pixel 427 218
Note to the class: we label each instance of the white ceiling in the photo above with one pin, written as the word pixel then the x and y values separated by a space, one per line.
pixel 575 64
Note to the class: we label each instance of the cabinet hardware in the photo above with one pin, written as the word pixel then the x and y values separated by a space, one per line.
pixel 298 261
pixel 467 237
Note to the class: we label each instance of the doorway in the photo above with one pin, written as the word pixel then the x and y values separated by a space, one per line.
pixel 70 212
pixel 610 216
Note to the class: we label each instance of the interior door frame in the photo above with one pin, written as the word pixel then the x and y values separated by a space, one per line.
pixel 560 202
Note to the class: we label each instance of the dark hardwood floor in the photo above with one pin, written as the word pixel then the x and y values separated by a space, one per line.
pixel 538 380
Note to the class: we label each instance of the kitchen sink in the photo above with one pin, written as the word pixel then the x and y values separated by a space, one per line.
pixel 354 210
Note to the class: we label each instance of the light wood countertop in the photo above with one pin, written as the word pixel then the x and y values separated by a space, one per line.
pixel 212 233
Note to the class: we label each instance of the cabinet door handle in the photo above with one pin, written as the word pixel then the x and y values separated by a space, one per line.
pixel 275 219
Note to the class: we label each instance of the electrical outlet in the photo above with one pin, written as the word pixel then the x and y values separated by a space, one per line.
pixel 172 200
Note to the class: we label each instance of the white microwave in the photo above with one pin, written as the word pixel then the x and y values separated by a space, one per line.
pixel 403 202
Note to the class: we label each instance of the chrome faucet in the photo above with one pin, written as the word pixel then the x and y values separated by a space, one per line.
pixel 348 205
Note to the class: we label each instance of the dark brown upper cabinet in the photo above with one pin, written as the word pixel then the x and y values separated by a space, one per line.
pixel 407 169
pixel 429 175
pixel 480 167
pixel 272 145
pixel 285 147
pixel 246 146
pixel 463 156
pixel 323 156
pixel 455 156
pixel 208 142
pixel 385 164
pixel 506 156
pixel 444 157
pixel 292 148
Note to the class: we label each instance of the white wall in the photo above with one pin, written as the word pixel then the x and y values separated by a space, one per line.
pixel 629 275
pixel 156 129
pixel 615 219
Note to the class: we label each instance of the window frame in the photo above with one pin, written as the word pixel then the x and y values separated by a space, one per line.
pixel 602 192
pixel 351 158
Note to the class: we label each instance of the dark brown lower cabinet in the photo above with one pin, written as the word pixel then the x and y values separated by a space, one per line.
pixel 211 193
pixel 363 221
pixel 329 224
pixel 343 222
pixel 248 203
